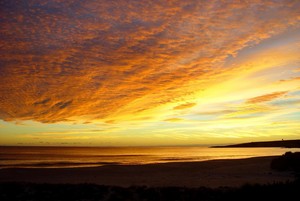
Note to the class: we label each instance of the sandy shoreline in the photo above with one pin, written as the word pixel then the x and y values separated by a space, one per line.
pixel 215 173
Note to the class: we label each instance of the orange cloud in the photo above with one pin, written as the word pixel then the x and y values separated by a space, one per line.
pixel 291 79
pixel 266 97
pixel 95 59
pixel 217 112
pixel 184 106
pixel 173 119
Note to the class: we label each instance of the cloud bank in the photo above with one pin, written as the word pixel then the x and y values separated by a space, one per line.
pixel 64 60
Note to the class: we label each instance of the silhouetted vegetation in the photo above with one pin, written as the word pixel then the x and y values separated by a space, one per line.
pixel 287 162
pixel 91 192
pixel 280 143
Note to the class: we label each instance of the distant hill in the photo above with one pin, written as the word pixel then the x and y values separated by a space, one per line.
pixel 281 143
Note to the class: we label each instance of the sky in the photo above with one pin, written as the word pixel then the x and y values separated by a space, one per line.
pixel 148 73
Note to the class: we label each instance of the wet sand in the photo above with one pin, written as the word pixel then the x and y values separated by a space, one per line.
pixel 215 173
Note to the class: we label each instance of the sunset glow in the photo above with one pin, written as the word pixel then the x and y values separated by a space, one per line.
pixel 143 73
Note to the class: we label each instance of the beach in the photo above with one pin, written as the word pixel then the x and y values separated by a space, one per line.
pixel 213 174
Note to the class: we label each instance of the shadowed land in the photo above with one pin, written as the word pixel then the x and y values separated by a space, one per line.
pixel 215 173
pixel 281 143
pixel 262 178
pixel 92 192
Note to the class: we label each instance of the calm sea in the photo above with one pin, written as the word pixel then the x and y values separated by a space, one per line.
pixel 58 157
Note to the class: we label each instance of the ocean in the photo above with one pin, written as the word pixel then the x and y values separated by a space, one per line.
pixel 61 157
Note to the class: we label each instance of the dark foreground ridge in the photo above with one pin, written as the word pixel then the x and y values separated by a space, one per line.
pixel 91 192
pixel 280 143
